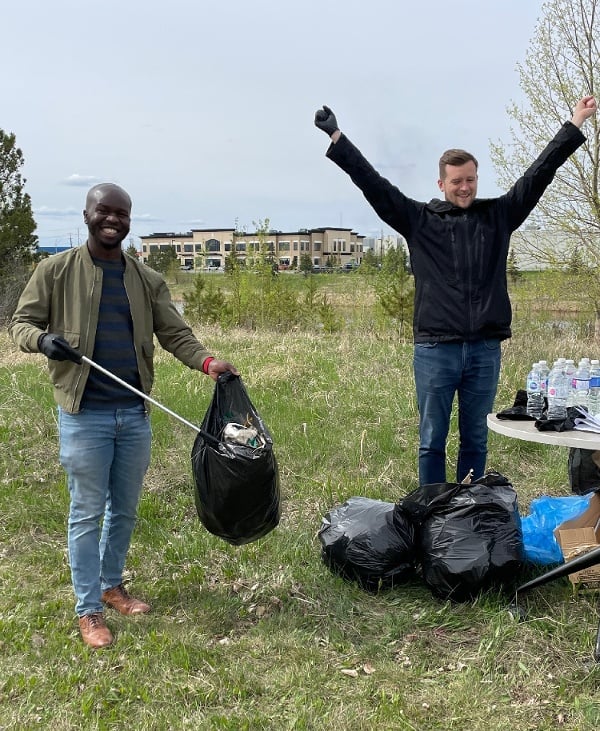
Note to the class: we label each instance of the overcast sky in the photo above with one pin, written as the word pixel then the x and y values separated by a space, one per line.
pixel 204 111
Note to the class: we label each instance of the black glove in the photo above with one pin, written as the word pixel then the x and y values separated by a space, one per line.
pixel 56 347
pixel 325 120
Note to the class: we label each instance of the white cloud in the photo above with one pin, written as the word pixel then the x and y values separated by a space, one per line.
pixel 81 180
pixel 55 212
pixel 145 218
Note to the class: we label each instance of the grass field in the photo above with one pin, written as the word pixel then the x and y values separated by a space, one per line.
pixel 264 636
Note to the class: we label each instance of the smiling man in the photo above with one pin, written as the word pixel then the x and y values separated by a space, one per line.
pixel 458 177
pixel 458 251
pixel 109 306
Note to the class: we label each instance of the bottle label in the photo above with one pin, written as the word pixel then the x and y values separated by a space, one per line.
pixel 532 385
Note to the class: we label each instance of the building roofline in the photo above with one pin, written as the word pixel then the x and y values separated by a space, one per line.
pixel 301 232
pixel 167 235
pixel 210 230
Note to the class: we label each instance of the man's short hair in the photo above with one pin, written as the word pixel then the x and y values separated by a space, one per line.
pixel 455 157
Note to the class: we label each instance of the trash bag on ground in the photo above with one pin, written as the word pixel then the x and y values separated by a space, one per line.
pixel 236 476
pixel 468 536
pixel 546 513
pixel 368 541
pixel 584 470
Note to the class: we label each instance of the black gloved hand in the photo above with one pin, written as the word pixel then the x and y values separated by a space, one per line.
pixel 325 120
pixel 56 347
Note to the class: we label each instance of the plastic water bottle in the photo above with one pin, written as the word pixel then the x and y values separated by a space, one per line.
pixel 558 388
pixel 570 373
pixel 544 370
pixel 594 407
pixel 535 398
pixel 581 383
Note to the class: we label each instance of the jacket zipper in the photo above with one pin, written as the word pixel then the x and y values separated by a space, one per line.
pixel 87 334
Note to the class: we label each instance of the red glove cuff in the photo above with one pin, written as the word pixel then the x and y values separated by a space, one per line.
pixel 206 363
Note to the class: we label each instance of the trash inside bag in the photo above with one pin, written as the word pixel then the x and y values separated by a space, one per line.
pixel 546 513
pixel 368 541
pixel 468 536
pixel 237 492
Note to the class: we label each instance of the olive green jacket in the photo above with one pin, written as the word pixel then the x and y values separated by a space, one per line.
pixel 63 297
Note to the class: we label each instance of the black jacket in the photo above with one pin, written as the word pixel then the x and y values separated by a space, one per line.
pixel 458 256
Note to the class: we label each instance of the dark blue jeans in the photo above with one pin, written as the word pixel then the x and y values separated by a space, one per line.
pixel 441 370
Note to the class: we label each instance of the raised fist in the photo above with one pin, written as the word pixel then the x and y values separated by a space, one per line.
pixel 325 120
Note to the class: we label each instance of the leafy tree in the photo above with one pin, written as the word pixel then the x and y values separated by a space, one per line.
pixel 205 303
pixel 263 266
pixel 17 227
pixel 512 267
pixel 163 260
pixel 131 250
pixel 395 260
pixel 394 287
pixel 576 264
pixel 369 263
pixel 562 64
pixel 331 321
pixel 305 263
pixel 18 242
pixel 238 311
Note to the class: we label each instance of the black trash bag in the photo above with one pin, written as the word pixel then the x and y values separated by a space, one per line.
pixel 584 470
pixel 468 536
pixel 364 541
pixel 237 491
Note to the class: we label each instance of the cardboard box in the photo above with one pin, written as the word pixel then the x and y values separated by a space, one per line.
pixel 580 535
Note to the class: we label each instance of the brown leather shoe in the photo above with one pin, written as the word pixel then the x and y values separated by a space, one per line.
pixel 94 631
pixel 118 598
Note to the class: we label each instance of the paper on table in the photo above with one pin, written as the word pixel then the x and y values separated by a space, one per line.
pixel 586 422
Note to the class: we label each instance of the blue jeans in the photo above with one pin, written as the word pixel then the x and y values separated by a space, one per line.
pixel 470 369
pixel 105 455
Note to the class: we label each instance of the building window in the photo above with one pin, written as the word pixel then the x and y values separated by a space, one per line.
pixel 228 246
pixel 213 245
pixel 317 246
pixel 188 248
pixel 240 247
pixel 284 246
pixel 198 247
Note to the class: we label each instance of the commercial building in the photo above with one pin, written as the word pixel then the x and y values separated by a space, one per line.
pixel 208 248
